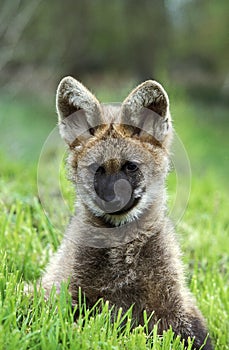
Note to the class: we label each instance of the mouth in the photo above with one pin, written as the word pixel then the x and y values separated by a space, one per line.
pixel 128 207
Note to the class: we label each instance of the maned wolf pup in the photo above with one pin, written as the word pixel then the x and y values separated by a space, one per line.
pixel 120 245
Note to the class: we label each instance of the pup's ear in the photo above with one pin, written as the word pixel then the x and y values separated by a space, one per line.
pixel 146 111
pixel 79 112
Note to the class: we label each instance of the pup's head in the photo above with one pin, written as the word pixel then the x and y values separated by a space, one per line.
pixel 118 152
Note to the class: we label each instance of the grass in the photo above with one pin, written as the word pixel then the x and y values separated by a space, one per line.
pixel 27 237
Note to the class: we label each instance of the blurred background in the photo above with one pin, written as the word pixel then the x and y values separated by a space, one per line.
pixel 111 46
pixel 184 42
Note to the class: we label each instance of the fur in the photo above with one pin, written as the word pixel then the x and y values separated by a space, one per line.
pixel 141 265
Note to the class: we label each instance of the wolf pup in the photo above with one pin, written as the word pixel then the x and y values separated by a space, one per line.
pixel 120 245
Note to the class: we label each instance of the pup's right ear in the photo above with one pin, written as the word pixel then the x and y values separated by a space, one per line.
pixel 79 112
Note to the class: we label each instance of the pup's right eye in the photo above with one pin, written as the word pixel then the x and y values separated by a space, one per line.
pixel 92 131
pixel 100 170
pixel 94 167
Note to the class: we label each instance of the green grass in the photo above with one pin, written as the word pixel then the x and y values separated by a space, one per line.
pixel 27 238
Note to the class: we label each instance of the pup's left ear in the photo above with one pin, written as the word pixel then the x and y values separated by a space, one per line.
pixel 146 112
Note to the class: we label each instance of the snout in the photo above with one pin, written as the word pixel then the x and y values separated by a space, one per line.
pixel 114 191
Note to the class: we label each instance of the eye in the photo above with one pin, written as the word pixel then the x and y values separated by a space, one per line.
pixel 101 170
pixel 92 131
pixel 130 167
pixel 96 168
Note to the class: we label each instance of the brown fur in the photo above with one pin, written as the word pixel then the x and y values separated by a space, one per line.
pixel 146 270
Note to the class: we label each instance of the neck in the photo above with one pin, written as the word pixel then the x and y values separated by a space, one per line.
pixel 89 230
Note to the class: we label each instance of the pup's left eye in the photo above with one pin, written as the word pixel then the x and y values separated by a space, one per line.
pixel 130 167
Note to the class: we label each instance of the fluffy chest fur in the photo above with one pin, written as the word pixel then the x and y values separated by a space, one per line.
pixel 136 273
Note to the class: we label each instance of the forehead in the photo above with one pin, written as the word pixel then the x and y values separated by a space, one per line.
pixel 118 150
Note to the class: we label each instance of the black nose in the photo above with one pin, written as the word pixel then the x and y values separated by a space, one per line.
pixel 104 183
pixel 114 191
